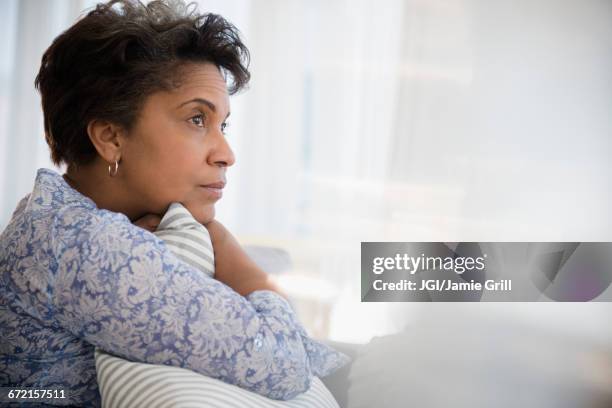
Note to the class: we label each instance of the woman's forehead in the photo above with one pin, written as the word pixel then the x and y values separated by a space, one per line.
pixel 204 76
pixel 193 83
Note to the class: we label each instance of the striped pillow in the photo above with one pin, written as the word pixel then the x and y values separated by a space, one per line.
pixel 124 384
pixel 187 239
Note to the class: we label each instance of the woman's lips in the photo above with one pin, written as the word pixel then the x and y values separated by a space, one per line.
pixel 215 190
pixel 218 184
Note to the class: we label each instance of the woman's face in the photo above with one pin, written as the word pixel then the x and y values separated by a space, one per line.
pixel 177 146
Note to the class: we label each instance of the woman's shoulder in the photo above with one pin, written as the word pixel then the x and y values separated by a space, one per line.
pixel 50 197
pixel 54 212
pixel 50 194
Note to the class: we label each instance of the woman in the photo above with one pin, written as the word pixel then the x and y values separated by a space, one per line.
pixel 135 103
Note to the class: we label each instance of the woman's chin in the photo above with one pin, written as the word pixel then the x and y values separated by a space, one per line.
pixel 202 213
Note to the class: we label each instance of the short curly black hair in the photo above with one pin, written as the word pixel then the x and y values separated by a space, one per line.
pixel 108 62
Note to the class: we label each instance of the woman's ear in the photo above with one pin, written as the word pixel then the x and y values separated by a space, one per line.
pixel 106 138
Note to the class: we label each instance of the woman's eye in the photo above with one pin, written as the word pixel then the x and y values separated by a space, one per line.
pixel 224 126
pixel 198 120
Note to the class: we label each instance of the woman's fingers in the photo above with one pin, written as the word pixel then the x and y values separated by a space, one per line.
pixel 148 222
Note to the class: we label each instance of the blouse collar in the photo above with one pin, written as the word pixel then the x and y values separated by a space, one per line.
pixel 52 191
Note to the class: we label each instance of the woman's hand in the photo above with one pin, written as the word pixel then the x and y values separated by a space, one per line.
pixel 234 267
pixel 148 222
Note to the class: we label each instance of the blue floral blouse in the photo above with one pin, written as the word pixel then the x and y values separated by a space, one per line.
pixel 74 277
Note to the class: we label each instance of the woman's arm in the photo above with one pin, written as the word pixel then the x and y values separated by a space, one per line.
pixel 120 289
pixel 232 264
pixel 234 267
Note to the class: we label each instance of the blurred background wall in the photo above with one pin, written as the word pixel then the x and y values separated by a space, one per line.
pixel 395 120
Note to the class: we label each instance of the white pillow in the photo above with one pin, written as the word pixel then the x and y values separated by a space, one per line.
pixel 134 385
pixel 123 383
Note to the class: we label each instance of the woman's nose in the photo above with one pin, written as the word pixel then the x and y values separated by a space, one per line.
pixel 222 154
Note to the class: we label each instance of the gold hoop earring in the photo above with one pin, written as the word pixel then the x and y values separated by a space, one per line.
pixel 113 172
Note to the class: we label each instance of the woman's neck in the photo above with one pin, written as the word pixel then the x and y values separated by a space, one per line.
pixel 107 192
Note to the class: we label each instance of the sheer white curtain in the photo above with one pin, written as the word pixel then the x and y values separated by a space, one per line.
pixel 27 28
pixel 403 120
pixel 423 120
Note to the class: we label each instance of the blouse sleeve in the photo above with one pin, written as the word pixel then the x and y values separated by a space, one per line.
pixel 119 288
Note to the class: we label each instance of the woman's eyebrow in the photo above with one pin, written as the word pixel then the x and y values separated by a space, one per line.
pixel 203 102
